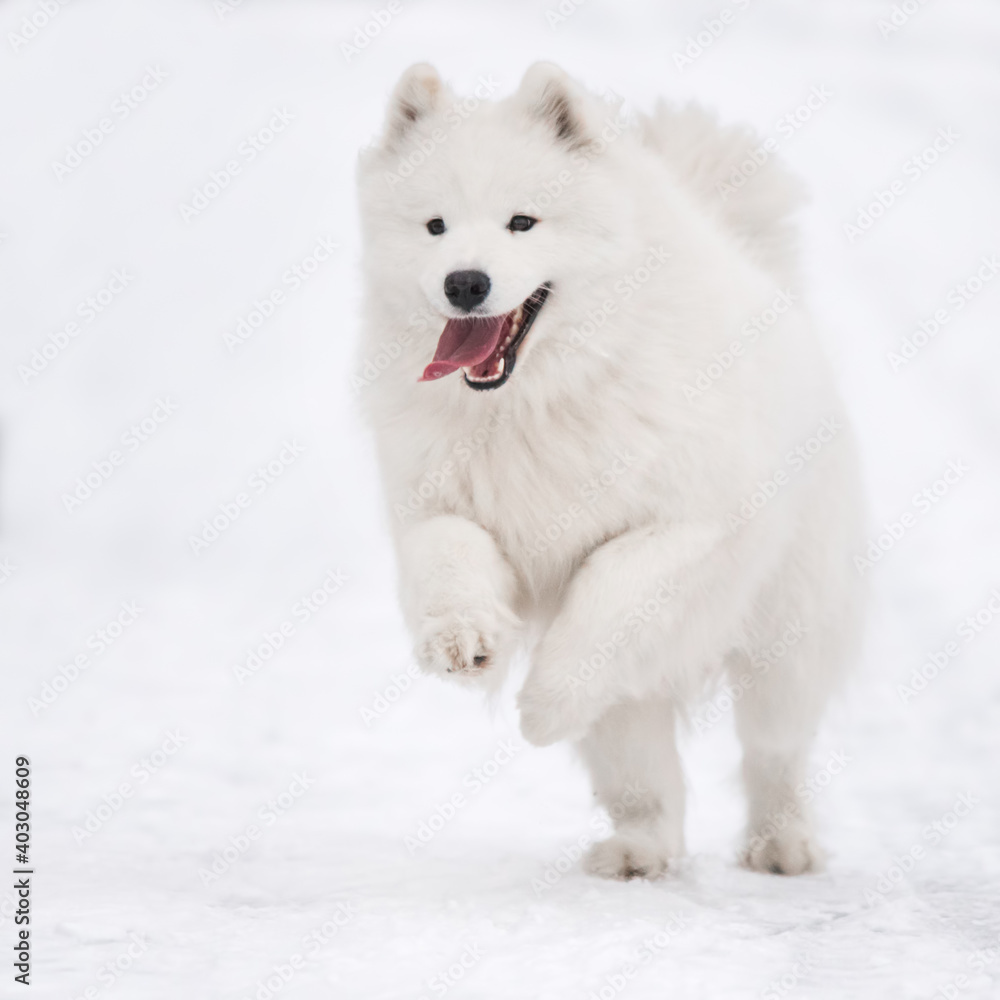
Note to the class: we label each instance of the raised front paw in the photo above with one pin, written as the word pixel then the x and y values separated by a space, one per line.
pixel 462 644
pixel 549 713
pixel 562 696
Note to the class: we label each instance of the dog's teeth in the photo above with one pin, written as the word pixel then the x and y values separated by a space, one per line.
pixel 487 378
pixel 514 327
pixel 517 317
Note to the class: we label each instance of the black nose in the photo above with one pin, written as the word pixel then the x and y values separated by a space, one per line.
pixel 466 289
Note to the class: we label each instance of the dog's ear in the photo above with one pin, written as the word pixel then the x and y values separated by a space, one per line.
pixel 418 94
pixel 552 97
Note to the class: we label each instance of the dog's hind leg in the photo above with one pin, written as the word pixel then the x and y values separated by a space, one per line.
pixel 636 772
pixel 807 629
pixel 776 720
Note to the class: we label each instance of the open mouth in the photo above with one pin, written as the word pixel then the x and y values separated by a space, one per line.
pixel 485 347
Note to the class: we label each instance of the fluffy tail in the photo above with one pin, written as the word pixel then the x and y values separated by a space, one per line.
pixel 736 176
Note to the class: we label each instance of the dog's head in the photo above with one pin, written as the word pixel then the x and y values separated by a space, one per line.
pixel 487 217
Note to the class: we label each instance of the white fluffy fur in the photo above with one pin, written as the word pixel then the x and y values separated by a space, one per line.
pixel 504 538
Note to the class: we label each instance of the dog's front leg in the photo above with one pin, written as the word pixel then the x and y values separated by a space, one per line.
pixel 631 612
pixel 457 594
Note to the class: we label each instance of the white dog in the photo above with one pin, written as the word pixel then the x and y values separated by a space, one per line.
pixel 663 492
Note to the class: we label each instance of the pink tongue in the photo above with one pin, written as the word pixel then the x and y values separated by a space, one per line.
pixel 464 343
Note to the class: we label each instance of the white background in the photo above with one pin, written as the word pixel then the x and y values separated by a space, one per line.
pixel 342 842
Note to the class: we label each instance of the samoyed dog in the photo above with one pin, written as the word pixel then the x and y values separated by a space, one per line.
pixel 608 437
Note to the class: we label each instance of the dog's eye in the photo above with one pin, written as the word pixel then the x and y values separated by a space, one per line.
pixel 435 227
pixel 520 223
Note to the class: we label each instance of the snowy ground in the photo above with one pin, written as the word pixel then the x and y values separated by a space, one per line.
pixel 328 892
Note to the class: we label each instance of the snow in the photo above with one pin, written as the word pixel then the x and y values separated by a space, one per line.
pixel 330 858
